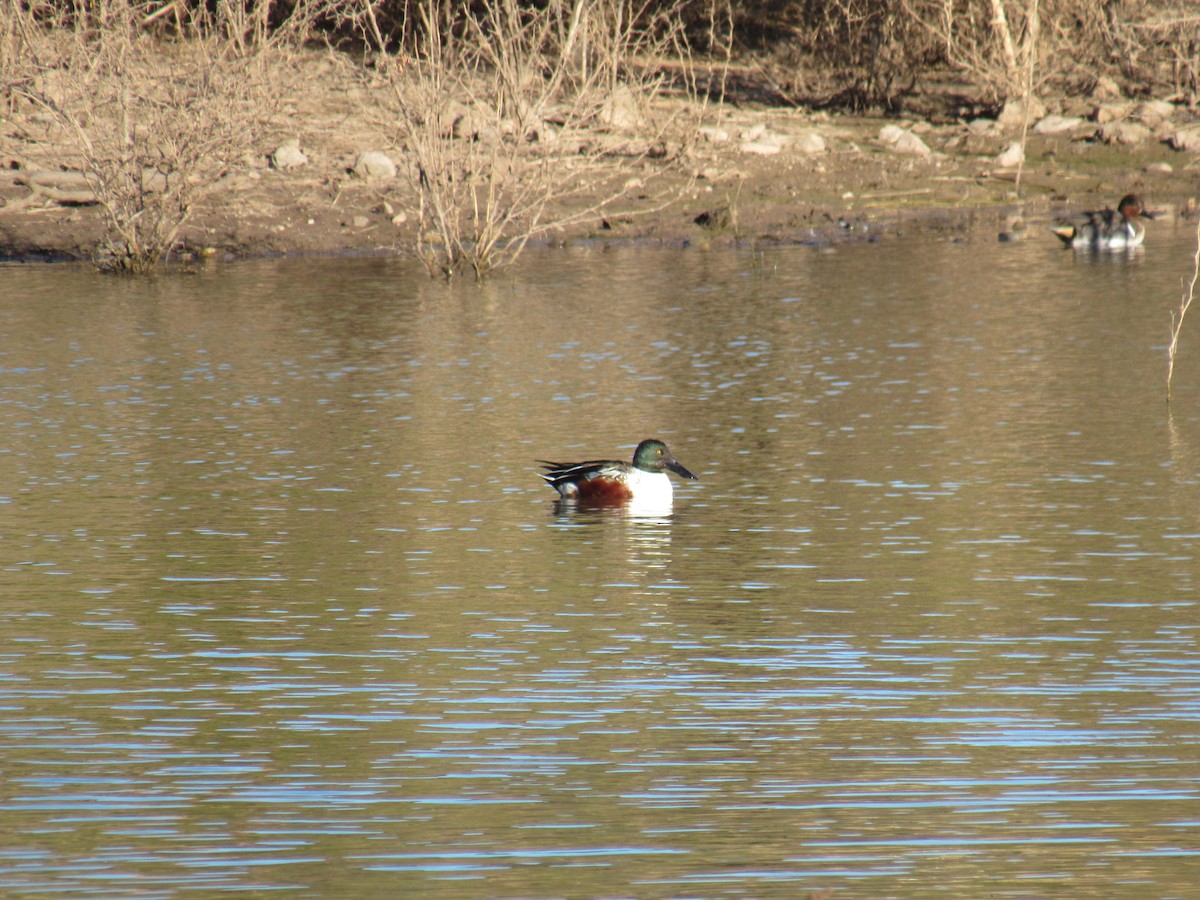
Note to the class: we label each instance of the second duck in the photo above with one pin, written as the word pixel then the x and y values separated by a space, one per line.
pixel 1108 229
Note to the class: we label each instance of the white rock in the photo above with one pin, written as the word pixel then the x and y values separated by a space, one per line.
pixel 809 141
pixel 714 135
pixel 1054 124
pixel 450 116
pixel 1185 139
pixel 761 148
pixel 903 141
pixel 1012 156
pixel 1154 112
pixel 754 132
pixel 621 110
pixel 1124 132
pixel 1110 112
pixel 288 155
pixel 1013 114
pixel 1106 89
pixel 374 164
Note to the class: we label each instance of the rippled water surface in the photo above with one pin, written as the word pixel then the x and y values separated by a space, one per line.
pixel 286 609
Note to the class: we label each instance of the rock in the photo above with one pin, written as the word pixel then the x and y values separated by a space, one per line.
pixel 982 127
pixel 761 148
pixel 1103 113
pixel 621 110
pixel 1186 140
pixel 288 155
pixel 809 141
pixel 1013 114
pixel 1054 124
pixel 903 141
pixel 1154 112
pixel 374 164
pixel 1124 132
pixel 470 124
pixel 1106 89
pixel 1159 168
pixel 1012 156
pixel 360 221
pixel 450 117
pixel 1078 107
pixel 754 132
pixel 714 135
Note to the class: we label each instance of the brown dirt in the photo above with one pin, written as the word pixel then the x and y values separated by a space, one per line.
pixel 718 193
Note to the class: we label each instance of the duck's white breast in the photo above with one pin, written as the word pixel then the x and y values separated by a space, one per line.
pixel 651 487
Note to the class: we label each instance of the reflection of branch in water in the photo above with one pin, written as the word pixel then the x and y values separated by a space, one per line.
pixel 1177 319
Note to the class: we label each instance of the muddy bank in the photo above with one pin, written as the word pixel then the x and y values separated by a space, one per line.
pixel 744 175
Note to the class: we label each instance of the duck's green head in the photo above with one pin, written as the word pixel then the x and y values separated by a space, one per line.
pixel 653 456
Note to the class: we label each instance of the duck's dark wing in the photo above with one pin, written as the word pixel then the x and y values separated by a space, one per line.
pixel 581 471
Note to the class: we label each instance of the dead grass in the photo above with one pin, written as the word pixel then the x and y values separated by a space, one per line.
pixel 513 119
pixel 512 111
pixel 152 123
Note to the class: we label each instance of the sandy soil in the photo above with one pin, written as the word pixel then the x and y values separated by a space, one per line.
pixel 716 192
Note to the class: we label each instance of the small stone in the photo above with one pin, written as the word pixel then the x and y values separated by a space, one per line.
pixel 1159 168
pixel 450 119
pixel 360 221
pixel 621 111
pixel 714 135
pixel 288 155
pixel 903 141
pixel 1104 113
pixel 1124 132
pixel 1186 140
pixel 1106 89
pixel 471 125
pixel 1054 124
pixel 399 218
pixel 1154 112
pixel 374 164
pixel 1013 155
pixel 1014 113
pixel 754 132
pixel 810 142
pixel 761 148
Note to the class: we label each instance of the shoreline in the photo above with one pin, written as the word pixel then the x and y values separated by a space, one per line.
pixel 753 176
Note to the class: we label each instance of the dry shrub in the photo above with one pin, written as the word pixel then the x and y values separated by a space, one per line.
pixel 155 108
pixel 1154 47
pixel 870 53
pixel 512 111
pixel 856 54
pixel 1158 45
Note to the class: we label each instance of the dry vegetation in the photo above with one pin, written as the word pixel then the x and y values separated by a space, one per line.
pixel 499 111
pixel 516 116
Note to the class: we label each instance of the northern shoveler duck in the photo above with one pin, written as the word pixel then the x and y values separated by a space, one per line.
pixel 1109 229
pixel 610 481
